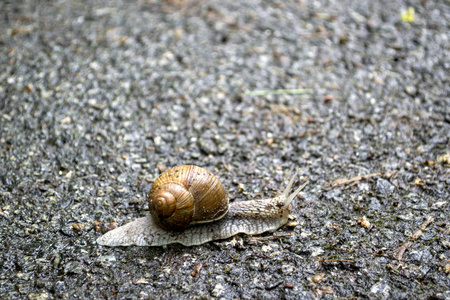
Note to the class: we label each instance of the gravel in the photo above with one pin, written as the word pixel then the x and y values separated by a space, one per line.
pixel 98 98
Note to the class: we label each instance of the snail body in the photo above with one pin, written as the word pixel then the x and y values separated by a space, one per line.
pixel 249 217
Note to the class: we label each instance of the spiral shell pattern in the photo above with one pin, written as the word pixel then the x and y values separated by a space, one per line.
pixel 187 195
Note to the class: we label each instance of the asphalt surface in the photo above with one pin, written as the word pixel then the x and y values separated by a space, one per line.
pixel 98 98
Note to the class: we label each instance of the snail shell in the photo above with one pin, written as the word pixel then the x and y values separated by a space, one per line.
pixel 249 217
pixel 187 195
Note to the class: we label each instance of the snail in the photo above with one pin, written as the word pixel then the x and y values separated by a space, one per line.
pixel 200 214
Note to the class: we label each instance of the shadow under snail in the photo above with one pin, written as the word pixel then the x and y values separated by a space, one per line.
pixel 189 205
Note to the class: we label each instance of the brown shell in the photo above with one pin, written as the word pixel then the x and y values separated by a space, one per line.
pixel 187 195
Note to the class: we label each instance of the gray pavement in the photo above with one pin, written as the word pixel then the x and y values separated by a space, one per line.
pixel 97 98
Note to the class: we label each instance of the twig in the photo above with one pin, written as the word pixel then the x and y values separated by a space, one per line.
pixel 424 225
pixel 254 240
pixel 401 250
pixel 398 253
pixel 342 181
